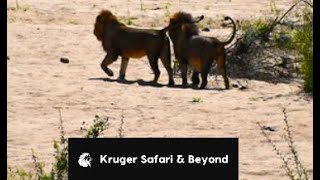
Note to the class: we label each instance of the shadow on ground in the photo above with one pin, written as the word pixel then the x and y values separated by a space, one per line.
pixel 141 82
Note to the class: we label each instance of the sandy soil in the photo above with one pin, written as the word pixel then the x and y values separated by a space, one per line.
pixel 38 84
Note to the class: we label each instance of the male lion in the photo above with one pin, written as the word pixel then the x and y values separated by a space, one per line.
pixel 120 40
pixel 198 51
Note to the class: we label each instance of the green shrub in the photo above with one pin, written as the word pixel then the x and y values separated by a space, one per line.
pixel 99 125
pixel 291 162
pixel 196 100
pixel 282 37
pixel 14 174
pixel 297 37
pixel 167 9
pixel 260 26
pixel 129 20
pixel 304 46
pixel 59 169
pixel 303 43
pixel 251 33
pixel 257 26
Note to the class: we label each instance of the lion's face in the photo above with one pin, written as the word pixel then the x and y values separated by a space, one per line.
pixel 187 27
pixel 103 18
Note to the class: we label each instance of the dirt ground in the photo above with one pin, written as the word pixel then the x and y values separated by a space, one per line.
pixel 43 31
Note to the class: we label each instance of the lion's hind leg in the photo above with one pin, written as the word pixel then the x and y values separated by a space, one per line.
pixel 184 72
pixel 195 78
pixel 222 69
pixel 166 61
pixel 204 74
pixel 123 68
pixel 153 61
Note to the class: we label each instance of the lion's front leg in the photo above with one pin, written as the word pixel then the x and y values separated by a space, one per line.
pixel 109 59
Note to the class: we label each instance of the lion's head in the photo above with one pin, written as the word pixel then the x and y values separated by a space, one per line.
pixel 187 26
pixel 103 18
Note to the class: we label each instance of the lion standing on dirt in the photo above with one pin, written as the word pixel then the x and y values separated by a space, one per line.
pixel 119 40
pixel 190 48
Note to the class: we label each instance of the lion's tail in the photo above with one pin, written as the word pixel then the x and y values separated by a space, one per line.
pixel 233 33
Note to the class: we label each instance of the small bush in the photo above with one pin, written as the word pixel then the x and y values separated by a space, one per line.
pixel 260 26
pixel 18 7
pixel 202 24
pixel 141 6
pixel 129 20
pixel 295 170
pixel 20 174
pixel 269 49
pixel 167 9
pixel 252 31
pixel 99 125
pixel 120 130
pixel 303 44
pixel 59 169
pixel 196 100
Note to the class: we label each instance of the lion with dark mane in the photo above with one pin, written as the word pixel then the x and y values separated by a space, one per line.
pixel 119 40
pixel 190 48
